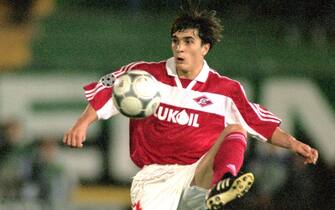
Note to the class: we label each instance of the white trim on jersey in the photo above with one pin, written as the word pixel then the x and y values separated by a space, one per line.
pixel 191 85
pixel 122 69
pixel 90 96
pixel 107 111
pixel 178 83
pixel 129 67
pixel 126 68
pixel 263 114
pixel 236 118
pixel 87 92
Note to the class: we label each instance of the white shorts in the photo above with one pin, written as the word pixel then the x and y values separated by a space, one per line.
pixel 161 186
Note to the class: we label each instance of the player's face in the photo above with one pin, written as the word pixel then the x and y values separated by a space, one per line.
pixel 189 52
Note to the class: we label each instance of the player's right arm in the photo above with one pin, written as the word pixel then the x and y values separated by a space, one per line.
pixel 99 97
pixel 76 135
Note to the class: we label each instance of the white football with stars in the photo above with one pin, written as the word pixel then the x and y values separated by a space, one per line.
pixel 136 94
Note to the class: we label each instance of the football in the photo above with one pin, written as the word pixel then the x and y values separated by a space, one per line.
pixel 136 94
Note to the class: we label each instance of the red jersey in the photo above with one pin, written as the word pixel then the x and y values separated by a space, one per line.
pixel 191 115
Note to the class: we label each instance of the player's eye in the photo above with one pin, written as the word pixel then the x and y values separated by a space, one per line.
pixel 188 41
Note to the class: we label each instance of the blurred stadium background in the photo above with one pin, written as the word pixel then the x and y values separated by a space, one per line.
pixel 282 51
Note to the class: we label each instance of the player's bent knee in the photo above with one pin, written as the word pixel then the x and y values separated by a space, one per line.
pixel 235 128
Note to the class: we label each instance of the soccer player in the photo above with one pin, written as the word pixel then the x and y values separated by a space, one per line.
pixel 191 150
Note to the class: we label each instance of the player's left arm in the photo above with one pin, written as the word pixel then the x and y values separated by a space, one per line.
pixel 285 140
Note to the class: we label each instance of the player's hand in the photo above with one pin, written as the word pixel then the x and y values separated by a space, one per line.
pixel 285 140
pixel 76 135
pixel 309 154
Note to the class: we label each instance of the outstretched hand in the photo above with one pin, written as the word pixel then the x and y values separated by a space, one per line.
pixel 75 136
pixel 309 154
pixel 285 140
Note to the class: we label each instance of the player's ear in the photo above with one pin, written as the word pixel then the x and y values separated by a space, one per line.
pixel 205 48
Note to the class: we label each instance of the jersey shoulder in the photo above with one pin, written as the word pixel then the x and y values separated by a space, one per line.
pixel 148 66
pixel 154 68
pixel 223 84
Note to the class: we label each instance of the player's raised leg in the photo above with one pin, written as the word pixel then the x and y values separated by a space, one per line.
pixel 219 168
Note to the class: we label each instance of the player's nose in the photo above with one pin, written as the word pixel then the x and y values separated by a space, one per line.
pixel 179 47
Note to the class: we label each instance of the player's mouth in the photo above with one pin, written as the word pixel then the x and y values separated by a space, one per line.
pixel 180 59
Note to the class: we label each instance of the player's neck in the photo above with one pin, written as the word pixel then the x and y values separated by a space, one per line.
pixel 189 73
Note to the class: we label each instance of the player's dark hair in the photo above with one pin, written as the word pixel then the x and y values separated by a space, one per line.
pixel 208 25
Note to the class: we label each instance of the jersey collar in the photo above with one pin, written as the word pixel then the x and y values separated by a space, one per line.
pixel 171 70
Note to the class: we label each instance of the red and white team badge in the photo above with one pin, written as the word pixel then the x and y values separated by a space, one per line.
pixel 203 101
pixel 137 206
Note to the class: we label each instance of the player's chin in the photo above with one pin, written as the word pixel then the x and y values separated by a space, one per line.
pixel 178 67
